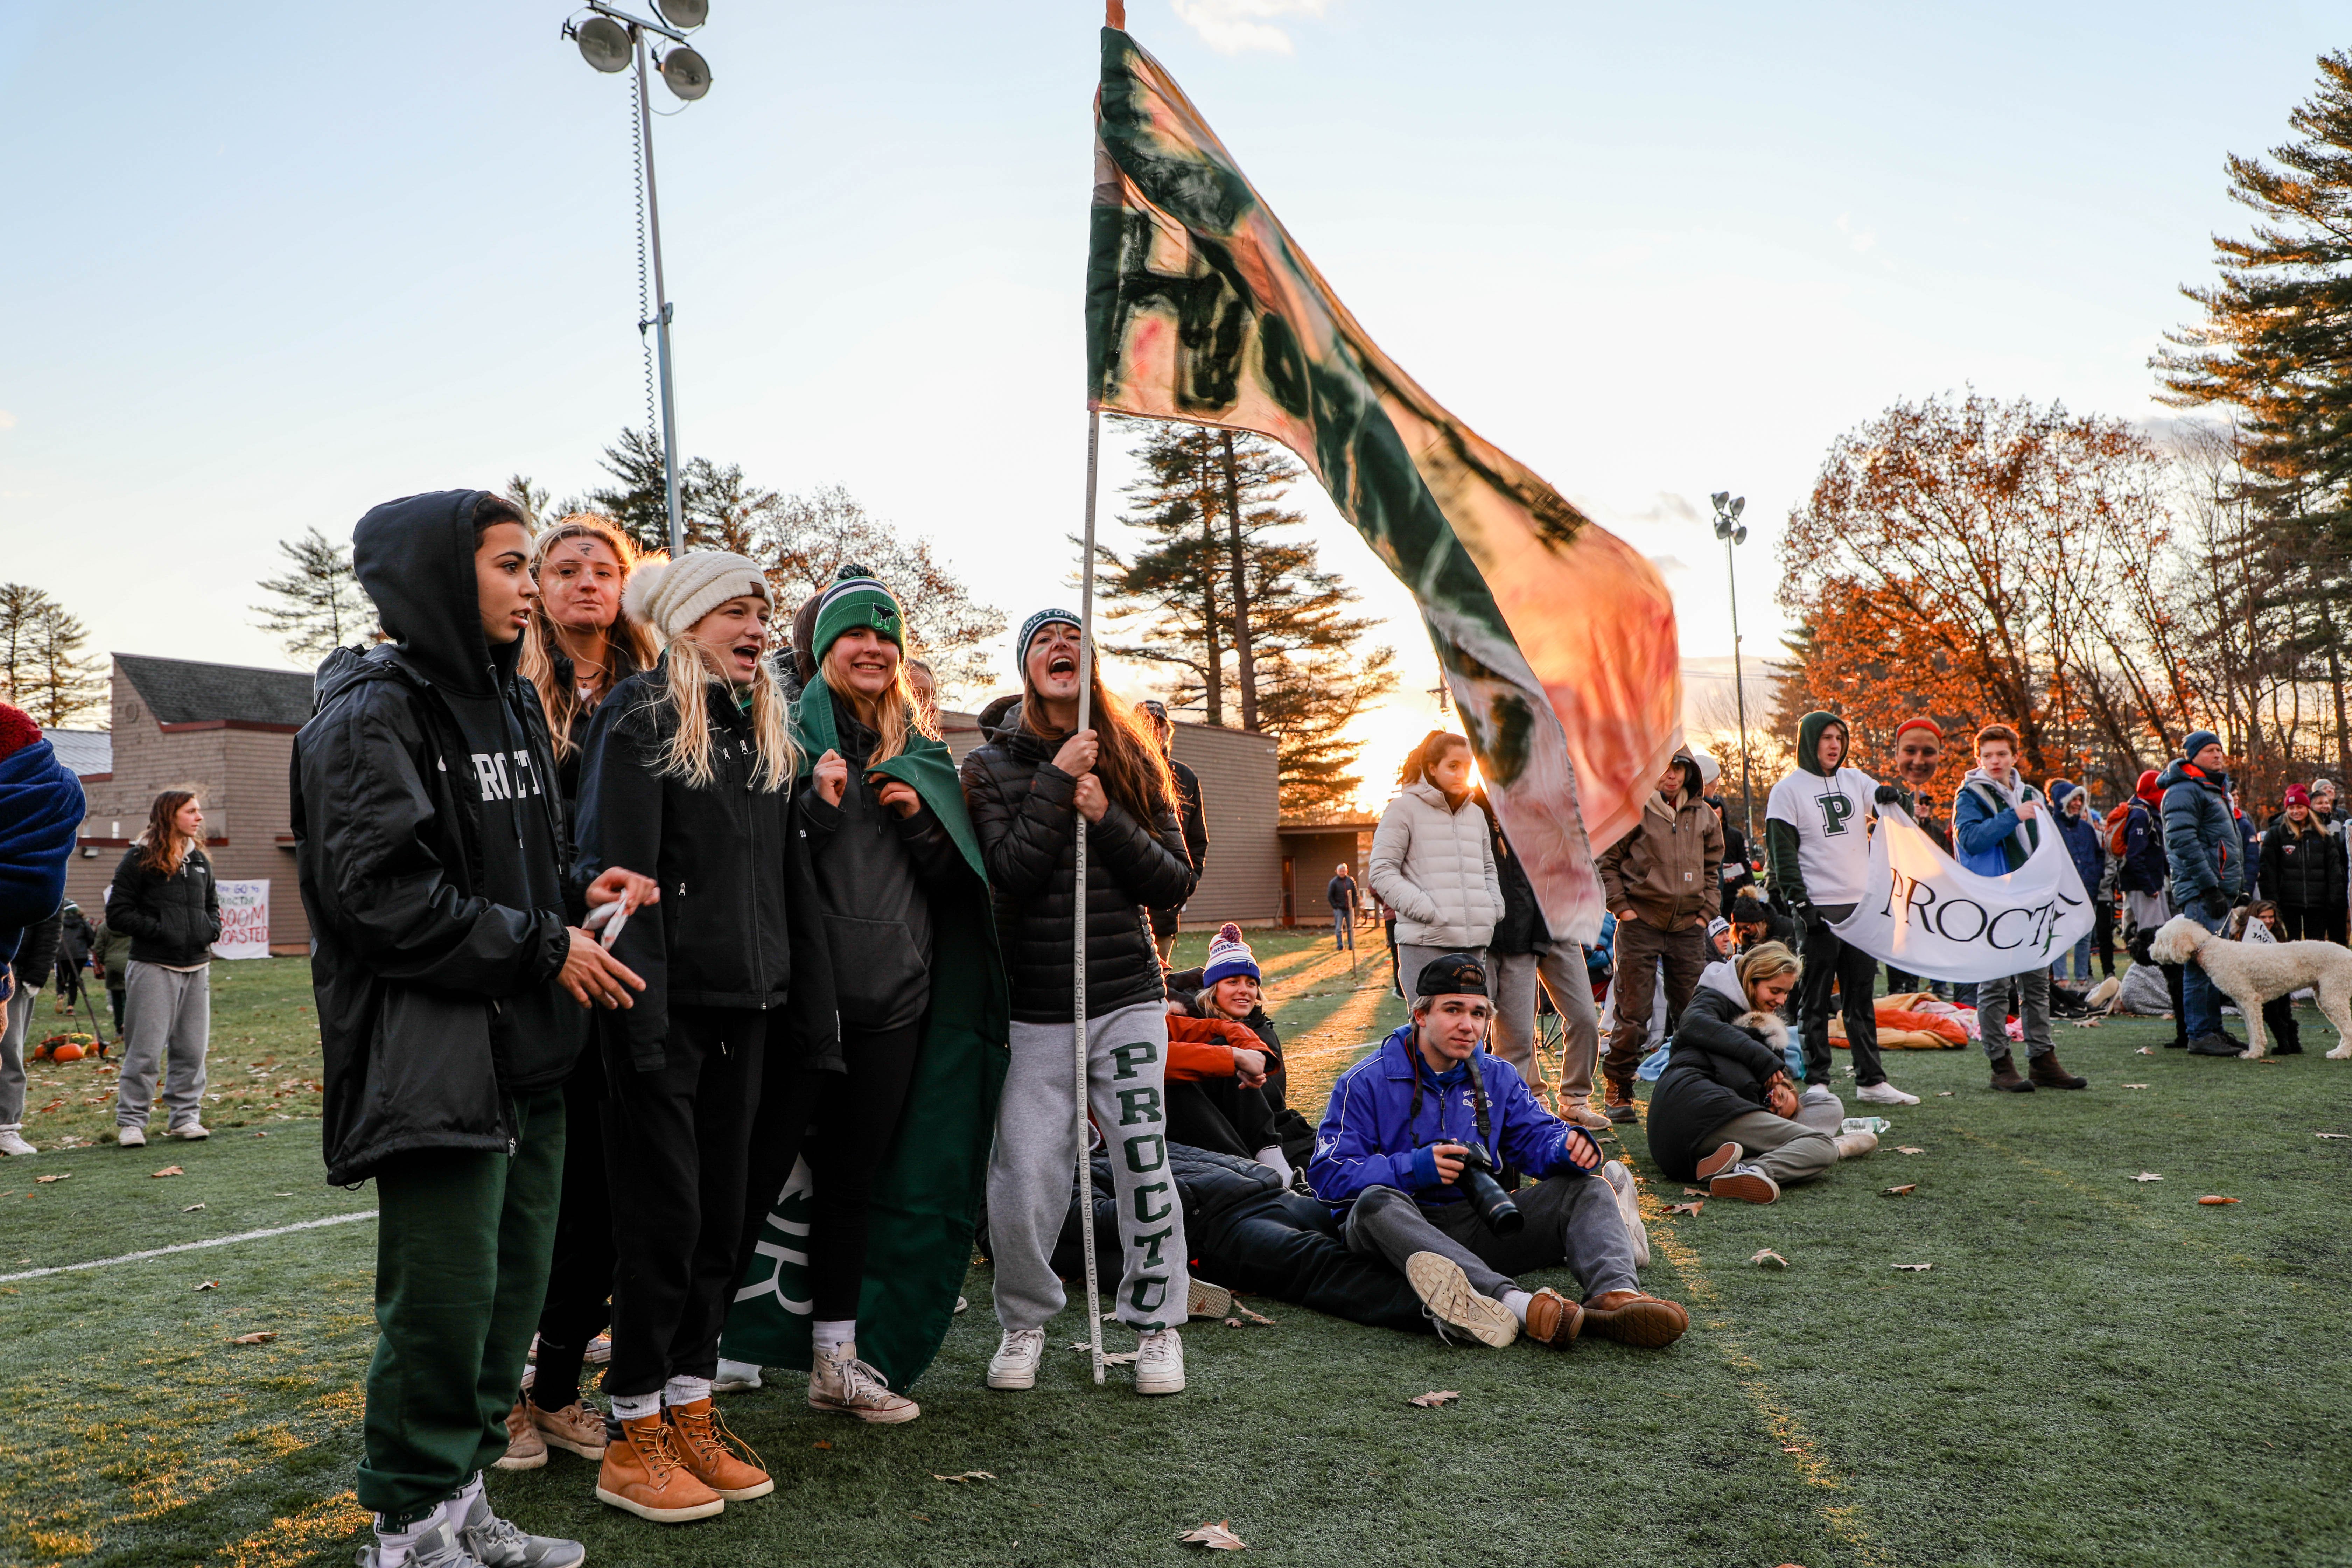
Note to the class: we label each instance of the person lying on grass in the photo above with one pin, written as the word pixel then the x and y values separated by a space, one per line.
pixel 1723 1112
pixel 1406 1157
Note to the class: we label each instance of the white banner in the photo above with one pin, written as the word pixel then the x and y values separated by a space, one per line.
pixel 245 920
pixel 1924 913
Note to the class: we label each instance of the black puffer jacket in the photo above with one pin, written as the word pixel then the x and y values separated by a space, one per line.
pixel 170 920
pixel 1022 811
pixel 1717 1071
pixel 2305 868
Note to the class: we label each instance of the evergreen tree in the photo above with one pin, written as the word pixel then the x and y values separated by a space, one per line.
pixel 41 663
pixel 320 605
pixel 1220 572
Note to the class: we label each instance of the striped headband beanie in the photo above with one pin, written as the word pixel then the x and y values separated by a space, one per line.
pixel 856 599
pixel 1039 623
pixel 1229 955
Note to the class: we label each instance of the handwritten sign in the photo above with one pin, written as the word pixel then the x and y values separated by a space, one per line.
pixel 245 920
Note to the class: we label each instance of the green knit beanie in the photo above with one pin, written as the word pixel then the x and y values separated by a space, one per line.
pixel 856 600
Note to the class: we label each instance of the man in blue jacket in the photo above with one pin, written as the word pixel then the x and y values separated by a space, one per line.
pixel 2206 855
pixel 1998 819
pixel 1394 1155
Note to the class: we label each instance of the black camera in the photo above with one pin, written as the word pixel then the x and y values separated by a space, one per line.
pixel 1486 1193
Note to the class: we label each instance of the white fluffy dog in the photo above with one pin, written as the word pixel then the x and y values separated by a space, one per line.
pixel 2250 973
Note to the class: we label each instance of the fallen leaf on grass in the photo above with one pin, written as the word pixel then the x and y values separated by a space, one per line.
pixel 192 1208
pixel 2315 1135
pixel 1769 1257
pixel 967 1476
pixel 1908 1149
pixel 166 1171
pixel 920 1518
pixel 820 1445
pixel 209 1285
pixel 1943 1094
pixel 263 1338
pixel 1915 1267
pixel 2135 1086
pixel 1244 1318
pixel 1904 1191
pixel 68 1175
pixel 1217 1537
pixel 1436 1398
pixel 2145 1051
pixel 261 1135
pixel 1690 1208
pixel 2147 1177
pixel 1692 1192
pixel 2211 1201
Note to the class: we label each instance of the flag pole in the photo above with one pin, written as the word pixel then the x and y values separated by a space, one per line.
pixel 1079 909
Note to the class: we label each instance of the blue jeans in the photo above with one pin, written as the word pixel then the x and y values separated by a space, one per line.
pixel 2082 957
pixel 1343 929
pixel 2201 999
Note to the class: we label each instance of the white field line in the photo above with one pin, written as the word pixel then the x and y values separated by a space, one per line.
pixel 190 1246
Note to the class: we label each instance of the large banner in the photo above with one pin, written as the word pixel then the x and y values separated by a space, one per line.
pixel 245 920
pixel 1924 913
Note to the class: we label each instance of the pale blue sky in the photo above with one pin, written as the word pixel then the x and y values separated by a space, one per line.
pixel 261 275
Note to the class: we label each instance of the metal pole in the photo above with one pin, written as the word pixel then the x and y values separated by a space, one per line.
pixel 661 308
pixel 1740 690
pixel 1078 921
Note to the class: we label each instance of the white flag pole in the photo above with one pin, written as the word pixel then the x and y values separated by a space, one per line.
pixel 1078 910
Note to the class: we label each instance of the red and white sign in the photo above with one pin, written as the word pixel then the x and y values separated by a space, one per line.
pixel 245 920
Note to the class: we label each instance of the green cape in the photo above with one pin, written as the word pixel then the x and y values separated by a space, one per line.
pixel 927 1192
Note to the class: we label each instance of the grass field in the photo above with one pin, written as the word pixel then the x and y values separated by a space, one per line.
pixel 2095 1370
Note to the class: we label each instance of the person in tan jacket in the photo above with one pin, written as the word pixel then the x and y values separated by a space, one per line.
pixel 1660 882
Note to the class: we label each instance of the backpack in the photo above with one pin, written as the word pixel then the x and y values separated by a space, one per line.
pixel 2118 826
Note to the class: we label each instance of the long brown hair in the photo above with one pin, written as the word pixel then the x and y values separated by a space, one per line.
pixel 162 848
pixel 1127 761
pixel 897 712
pixel 629 647
pixel 1428 755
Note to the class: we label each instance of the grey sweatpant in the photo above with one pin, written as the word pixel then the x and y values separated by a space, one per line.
pixel 1561 969
pixel 2030 991
pixel 1036 1161
pixel 1787 1151
pixel 171 1017
pixel 12 1053
pixel 1570 1219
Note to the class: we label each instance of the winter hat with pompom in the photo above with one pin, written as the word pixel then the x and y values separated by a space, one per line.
pixel 1229 955
pixel 671 595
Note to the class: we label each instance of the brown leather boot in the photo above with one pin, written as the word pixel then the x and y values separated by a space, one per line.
pixel 2005 1076
pixel 1619 1105
pixel 2047 1071
pixel 708 1449
pixel 1553 1320
pixel 643 1473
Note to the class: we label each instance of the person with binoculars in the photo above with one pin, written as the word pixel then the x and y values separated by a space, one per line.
pixel 1408 1157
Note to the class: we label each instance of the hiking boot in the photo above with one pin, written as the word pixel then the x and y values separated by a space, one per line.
pixel 1448 1301
pixel 526 1449
pixel 2048 1072
pixel 437 1546
pixel 1629 1209
pixel 2219 1045
pixel 131 1137
pixel 2005 1075
pixel 194 1131
pixel 1722 1160
pixel 644 1475
pixel 1632 1318
pixel 707 1448
pixel 1884 1093
pixel 1853 1145
pixel 1015 1364
pixel 496 1544
pixel 1160 1363
pixel 575 1429
pixel 1553 1320
pixel 1202 1300
pixel 12 1138
pixel 735 1376
pixel 1749 1183
pixel 838 1381
pixel 1620 1104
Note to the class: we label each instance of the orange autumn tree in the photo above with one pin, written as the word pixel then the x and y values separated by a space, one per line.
pixel 1860 654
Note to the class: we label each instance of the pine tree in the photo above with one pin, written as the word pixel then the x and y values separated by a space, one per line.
pixel 41 663
pixel 1221 573
pixel 320 604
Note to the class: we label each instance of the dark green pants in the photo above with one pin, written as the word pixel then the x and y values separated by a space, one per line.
pixel 461 1259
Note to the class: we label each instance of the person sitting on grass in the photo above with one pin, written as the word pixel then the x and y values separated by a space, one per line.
pixel 1404 1126
pixel 1725 1112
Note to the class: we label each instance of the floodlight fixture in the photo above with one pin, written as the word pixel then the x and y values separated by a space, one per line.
pixel 684 15
pixel 686 73
pixel 603 43
pixel 1732 531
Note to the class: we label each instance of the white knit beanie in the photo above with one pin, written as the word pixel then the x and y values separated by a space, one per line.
pixel 671 595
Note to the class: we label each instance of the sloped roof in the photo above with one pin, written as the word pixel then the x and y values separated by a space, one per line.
pixel 182 691
pixel 86 751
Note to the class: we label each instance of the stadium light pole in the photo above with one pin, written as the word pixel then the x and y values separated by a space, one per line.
pixel 1731 531
pixel 611 40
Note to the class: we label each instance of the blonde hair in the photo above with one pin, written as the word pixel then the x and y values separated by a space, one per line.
pixel 629 646
pixel 1768 961
pixel 897 712
pixel 687 755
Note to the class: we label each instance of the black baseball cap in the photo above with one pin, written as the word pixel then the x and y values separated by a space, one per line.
pixel 1455 974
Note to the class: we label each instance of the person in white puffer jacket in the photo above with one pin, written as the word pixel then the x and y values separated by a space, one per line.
pixel 1433 861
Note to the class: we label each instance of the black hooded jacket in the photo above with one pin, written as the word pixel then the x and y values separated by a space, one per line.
pixel 171 921
pixel 1719 1071
pixel 1021 810
pixel 429 842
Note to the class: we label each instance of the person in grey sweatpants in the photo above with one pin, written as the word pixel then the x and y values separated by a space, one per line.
pixel 2027 996
pixel 1036 1150
pixel 170 1025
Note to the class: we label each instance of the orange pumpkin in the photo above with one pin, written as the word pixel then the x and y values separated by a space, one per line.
pixel 69 1052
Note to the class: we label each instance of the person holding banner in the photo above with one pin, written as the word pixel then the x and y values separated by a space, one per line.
pixel 1997 822
pixel 1028 785
pixel 165 896
pixel 1816 834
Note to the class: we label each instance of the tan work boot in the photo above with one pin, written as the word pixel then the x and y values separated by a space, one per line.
pixel 707 1448
pixel 838 1381
pixel 643 1474
pixel 1553 1320
pixel 525 1448
pixel 576 1428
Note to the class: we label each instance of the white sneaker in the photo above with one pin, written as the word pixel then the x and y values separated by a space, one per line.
pixel 12 1142
pixel 735 1376
pixel 1015 1364
pixel 1448 1301
pixel 131 1137
pixel 838 1381
pixel 1160 1363
pixel 1629 1207
pixel 194 1131
pixel 1884 1093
